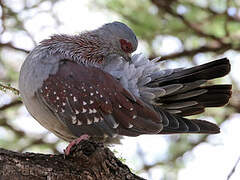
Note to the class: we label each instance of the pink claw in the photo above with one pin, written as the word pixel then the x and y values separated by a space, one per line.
pixel 75 142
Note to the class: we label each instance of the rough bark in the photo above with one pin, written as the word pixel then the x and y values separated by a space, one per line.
pixel 88 160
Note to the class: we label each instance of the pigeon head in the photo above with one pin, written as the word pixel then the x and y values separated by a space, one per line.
pixel 121 38
pixel 94 46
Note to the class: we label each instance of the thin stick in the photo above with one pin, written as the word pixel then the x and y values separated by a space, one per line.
pixel 8 87
pixel 233 169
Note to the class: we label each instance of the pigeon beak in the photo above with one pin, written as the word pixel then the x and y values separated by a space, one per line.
pixel 128 57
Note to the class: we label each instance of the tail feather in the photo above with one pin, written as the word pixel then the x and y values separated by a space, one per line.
pixel 211 70
pixel 206 96
pixel 191 97
pixel 192 110
pixel 217 95
pixel 193 126
pixel 190 126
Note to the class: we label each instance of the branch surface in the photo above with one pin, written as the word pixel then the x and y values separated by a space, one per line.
pixel 88 160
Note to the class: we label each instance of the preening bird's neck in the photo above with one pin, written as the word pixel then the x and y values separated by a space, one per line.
pixel 86 48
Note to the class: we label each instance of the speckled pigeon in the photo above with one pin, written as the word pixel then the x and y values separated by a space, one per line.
pixel 90 85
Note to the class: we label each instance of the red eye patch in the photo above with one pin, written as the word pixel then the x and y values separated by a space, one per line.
pixel 126 46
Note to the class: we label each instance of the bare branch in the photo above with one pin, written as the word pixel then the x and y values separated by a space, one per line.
pixel 227 19
pixel 195 29
pixel 11 104
pixel 209 10
pixel 8 87
pixel 233 169
pixel 203 49
pixel 10 45
pixel 88 160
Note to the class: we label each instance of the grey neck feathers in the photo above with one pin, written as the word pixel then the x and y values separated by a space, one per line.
pixel 87 48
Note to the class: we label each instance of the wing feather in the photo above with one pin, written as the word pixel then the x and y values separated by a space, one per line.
pixel 90 101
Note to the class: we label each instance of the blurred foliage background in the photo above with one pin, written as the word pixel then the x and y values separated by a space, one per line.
pixel 183 32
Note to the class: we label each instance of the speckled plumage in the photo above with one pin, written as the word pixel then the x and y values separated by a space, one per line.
pixel 85 84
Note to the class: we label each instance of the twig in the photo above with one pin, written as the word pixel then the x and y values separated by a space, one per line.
pixel 3 17
pixel 10 45
pixel 211 11
pixel 223 47
pixel 233 169
pixel 8 87
pixel 11 104
pixel 227 19
pixel 197 31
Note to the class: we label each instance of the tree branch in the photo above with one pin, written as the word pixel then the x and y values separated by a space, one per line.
pixel 11 46
pixel 166 7
pixel 88 160
pixel 11 104
pixel 233 169
pixel 192 52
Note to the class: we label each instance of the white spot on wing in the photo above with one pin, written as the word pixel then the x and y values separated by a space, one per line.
pixel 92 111
pixel 114 135
pixel 134 117
pixel 84 103
pixel 115 125
pixel 89 121
pixel 96 119
pixel 91 94
pixel 130 126
pixel 76 112
pixel 74 119
pixel 74 99
pixel 84 110
pixel 91 101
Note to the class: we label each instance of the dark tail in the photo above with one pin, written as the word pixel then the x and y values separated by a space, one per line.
pixel 191 97
pixel 174 124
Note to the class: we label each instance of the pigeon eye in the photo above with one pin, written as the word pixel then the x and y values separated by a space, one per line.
pixel 126 46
